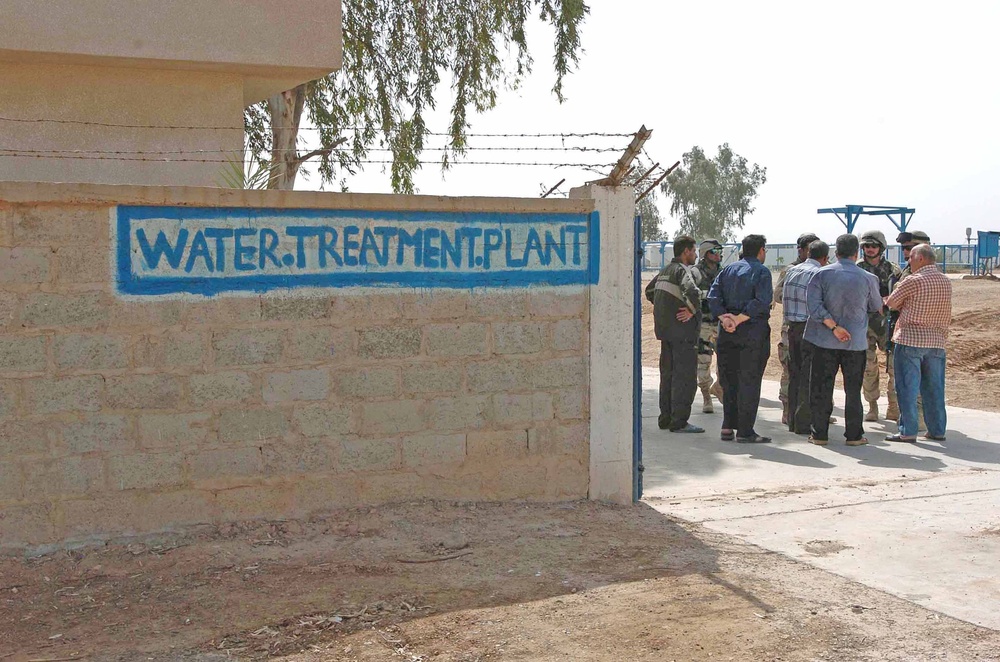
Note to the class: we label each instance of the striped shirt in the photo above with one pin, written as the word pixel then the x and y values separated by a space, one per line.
pixel 923 300
pixel 793 296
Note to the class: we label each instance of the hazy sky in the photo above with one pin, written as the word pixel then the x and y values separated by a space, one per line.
pixel 878 102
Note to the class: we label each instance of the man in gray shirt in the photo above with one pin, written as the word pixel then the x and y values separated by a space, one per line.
pixel 840 297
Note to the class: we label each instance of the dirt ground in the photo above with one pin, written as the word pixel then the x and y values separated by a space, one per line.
pixel 453 582
pixel 973 373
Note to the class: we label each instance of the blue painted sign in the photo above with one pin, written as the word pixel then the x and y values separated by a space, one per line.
pixel 207 251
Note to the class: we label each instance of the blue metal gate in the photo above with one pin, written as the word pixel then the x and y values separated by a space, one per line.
pixel 637 467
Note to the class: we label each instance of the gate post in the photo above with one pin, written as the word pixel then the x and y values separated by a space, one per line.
pixel 612 345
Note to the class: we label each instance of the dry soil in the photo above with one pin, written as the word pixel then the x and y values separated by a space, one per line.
pixel 454 582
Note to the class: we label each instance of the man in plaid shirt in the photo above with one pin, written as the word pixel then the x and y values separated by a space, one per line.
pixel 924 304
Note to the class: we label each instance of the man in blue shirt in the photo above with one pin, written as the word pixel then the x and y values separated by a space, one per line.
pixel 796 312
pixel 840 297
pixel 740 298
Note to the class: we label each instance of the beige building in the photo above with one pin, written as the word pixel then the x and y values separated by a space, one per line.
pixel 89 87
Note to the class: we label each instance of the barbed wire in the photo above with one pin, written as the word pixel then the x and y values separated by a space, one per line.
pixel 332 151
pixel 179 127
pixel 25 154
pixel 650 158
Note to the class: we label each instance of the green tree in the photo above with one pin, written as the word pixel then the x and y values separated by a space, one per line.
pixel 395 55
pixel 651 227
pixel 712 197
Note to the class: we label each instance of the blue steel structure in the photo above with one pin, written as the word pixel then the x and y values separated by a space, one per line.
pixel 852 212
pixel 988 253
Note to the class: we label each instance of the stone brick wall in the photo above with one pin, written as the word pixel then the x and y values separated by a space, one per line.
pixel 119 417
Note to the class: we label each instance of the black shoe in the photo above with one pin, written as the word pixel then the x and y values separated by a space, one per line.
pixel 662 425
pixel 727 435
pixel 689 429
pixel 754 439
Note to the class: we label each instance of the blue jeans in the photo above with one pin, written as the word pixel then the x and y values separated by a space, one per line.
pixel 920 371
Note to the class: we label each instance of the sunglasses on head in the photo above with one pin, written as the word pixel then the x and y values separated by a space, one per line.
pixel 717 251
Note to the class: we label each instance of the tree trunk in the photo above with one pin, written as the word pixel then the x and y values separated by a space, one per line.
pixel 286 113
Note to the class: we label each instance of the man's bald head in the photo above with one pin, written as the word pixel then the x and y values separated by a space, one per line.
pixel 926 253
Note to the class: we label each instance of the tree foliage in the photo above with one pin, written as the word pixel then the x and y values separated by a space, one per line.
pixel 712 197
pixel 396 53
pixel 650 228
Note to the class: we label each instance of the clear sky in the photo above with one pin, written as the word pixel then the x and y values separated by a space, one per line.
pixel 877 102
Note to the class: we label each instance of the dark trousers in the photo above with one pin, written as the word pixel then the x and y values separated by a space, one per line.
pixel 825 363
pixel 742 358
pixel 800 353
pixel 678 381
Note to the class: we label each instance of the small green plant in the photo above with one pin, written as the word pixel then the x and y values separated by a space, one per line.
pixel 254 174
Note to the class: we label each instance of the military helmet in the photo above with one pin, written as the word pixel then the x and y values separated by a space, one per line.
pixel 918 237
pixel 805 239
pixel 874 237
pixel 707 245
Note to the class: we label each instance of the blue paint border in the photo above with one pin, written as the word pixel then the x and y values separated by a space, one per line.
pixel 594 252
pixel 127 284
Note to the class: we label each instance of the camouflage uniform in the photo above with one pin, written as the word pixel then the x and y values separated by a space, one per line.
pixel 671 290
pixel 878 329
pixel 704 273
pixel 802 242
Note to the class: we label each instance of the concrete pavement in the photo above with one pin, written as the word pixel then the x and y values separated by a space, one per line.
pixel 920 521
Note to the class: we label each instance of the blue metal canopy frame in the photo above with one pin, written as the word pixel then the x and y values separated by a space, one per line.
pixel 852 212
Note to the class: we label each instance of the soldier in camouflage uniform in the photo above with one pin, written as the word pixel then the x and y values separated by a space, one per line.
pixel 803 245
pixel 677 321
pixel 873 245
pixel 907 240
pixel 704 273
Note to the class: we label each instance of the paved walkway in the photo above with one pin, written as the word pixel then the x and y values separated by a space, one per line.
pixel 920 521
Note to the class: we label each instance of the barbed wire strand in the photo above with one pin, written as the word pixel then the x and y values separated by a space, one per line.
pixel 114 125
pixel 19 154
pixel 333 151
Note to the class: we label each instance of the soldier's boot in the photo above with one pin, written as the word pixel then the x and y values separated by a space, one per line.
pixel 706 395
pixel 892 412
pixel 872 414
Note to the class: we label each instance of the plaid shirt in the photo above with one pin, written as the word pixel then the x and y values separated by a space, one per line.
pixel 793 295
pixel 924 304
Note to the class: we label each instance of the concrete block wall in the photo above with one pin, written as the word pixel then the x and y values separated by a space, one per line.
pixel 121 417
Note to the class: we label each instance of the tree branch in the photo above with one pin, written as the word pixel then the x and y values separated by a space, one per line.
pixel 325 151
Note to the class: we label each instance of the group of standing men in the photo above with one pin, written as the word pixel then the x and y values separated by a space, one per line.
pixel 837 317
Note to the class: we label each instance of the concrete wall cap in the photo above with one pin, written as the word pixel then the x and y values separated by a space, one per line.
pixel 115 194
